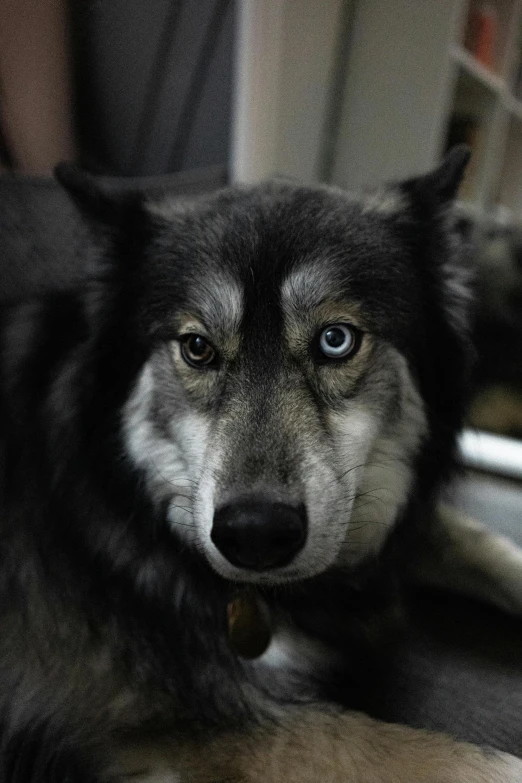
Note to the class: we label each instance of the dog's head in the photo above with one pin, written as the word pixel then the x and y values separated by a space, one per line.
pixel 304 369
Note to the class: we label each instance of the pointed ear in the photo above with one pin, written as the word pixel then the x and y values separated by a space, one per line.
pixel 95 199
pixel 443 183
pixel 445 180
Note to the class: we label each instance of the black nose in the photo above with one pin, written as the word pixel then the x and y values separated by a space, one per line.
pixel 259 535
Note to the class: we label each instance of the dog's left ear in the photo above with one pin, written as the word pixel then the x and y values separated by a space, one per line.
pixel 446 179
pixel 95 199
pixel 443 182
pixel 444 240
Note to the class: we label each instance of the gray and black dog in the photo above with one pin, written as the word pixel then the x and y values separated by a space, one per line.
pixel 257 390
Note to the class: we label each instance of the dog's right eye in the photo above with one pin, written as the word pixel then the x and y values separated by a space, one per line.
pixel 197 351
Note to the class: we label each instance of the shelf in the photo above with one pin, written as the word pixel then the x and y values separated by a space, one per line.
pixel 488 80
pixel 509 188
pixel 489 30
pixel 477 71
pixel 513 106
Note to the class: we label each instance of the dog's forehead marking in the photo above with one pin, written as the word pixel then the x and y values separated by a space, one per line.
pixel 306 287
pixel 218 301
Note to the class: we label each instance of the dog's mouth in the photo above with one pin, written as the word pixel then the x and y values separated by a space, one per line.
pixel 268 536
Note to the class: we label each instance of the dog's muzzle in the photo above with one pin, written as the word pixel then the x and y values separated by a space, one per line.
pixel 259 535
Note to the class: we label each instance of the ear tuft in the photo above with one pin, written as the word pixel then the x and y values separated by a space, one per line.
pixel 445 180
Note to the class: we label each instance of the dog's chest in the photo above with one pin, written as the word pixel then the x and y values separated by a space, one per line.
pixel 274 644
pixel 295 665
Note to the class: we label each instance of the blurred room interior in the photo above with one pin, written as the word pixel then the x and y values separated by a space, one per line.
pixel 348 92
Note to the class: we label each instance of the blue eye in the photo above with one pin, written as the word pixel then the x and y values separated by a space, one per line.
pixel 338 341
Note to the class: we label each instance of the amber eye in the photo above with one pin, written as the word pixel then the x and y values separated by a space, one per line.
pixel 197 351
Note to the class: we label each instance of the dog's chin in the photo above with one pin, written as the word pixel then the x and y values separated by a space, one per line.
pixel 293 572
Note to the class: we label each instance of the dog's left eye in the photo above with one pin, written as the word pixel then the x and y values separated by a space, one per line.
pixel 338 341
pixel 197 351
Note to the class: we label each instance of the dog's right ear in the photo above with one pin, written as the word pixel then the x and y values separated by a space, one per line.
pixel 97 201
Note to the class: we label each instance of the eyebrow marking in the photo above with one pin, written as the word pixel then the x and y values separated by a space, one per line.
pixel 219 304
pixel 306 287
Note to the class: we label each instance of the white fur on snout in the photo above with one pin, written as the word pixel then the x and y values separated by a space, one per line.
pixel 327 503
pixel 171 462
pixel 319 551
pixel 204 508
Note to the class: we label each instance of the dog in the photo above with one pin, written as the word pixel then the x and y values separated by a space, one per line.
pixel 252 399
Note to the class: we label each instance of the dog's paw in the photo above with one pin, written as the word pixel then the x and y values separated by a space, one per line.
pixel 494 767
pixel 511 768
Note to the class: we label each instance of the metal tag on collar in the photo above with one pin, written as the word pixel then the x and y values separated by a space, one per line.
pixel 249 628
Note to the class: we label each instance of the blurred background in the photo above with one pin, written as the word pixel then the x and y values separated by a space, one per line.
pixel 350 92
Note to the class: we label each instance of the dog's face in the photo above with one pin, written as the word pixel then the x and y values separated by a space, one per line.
pixel 280 415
